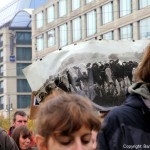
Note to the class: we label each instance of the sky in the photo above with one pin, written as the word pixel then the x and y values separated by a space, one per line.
pixel 3 3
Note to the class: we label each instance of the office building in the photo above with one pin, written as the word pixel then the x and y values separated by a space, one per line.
pixel 62 22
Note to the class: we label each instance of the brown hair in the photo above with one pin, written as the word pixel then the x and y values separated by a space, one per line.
pixel 143 70
pixel 66 114
pixel 21 130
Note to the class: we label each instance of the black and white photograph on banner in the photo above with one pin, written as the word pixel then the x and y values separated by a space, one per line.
pixel 99 70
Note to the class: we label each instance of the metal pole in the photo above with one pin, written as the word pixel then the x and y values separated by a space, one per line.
pixel 9 107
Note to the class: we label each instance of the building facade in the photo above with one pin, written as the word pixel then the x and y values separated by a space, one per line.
pixel 15 54
pixel 62 22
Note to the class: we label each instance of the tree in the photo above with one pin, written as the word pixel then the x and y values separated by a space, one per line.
pixel 4 123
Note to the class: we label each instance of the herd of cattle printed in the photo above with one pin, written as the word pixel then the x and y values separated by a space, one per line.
pixel 105 83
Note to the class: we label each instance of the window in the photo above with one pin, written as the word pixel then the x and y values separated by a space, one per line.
pixel 1 56
pixel 125 7
pixel 62 7
pixel 24 53
pixel 63 35
pixel 1 85
pixel 1 40
pixel 1 102
pixel 88 1
pixel 21 66
pixel 23 86
pixel 75 4
pixel 91 23
pixel 144 3
pixel 23 101
pixel 51 37
pixel 51 13
pixel 126 32
pixel 40 43
pixel 1 69
pixel 23 38
pixel 39 20
pixel 108 36
pixel 144 27
pixel 76 29
pixel 1 53
pixel 107 13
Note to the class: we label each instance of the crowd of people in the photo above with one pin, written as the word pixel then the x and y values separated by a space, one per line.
pixel 67 121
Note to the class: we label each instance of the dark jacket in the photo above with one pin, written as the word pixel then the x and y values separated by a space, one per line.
pixel 6 142
pixel 128 126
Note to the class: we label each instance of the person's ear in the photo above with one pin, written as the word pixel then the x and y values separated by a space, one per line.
pixel 40 141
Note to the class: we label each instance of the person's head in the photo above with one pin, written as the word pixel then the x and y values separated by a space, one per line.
pixel 20 118
pixel 66 122
pixel 143 70
pixel 22 137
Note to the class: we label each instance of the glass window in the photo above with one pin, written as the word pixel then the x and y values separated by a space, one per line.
pixel 88 1
pixel 1 102
pixel 23 101
pixel 91 23
pixel 144 3
pixel 126 32
pixel 23 86
pixel 21 66
pixel 125 7
pixel 39 20
pixel 1 69
pixel 63 35
pixel 75 4
pixel 108 36
pixel 51 13
pixel 76 29
pixel 23 38
pixel 1 53
pixel 24 53
pixel 51 37
pixel 1 40
pixel 1 84
pixel 1 56
pixel 144 27
pixel 62 7
pixel 40 43
pixel 107 13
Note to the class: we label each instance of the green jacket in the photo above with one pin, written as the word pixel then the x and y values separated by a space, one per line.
pixel 6 142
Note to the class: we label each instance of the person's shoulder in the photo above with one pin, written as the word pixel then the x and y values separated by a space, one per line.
pixel 6 142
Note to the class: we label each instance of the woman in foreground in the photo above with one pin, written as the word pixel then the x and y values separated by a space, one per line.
pixel 66 122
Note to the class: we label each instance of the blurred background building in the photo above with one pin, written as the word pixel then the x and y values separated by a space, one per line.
pixel 15 54
pixel 62 22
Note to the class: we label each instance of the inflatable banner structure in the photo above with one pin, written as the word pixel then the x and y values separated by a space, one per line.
pixel 100 70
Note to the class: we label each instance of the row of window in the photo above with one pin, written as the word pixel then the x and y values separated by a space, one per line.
pixel 22 85
pixel 23 101
pixel 125 32
pixel 125 8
